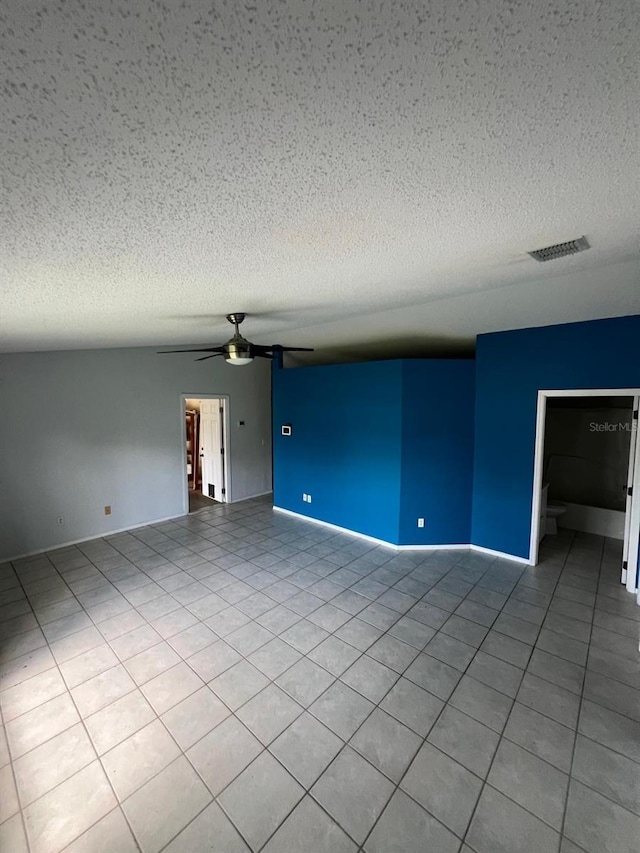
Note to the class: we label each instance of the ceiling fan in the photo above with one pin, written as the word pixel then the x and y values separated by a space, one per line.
pixel 238 350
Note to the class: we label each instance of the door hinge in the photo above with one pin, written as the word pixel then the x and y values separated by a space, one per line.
pixel 630 491
pixel 624 565
pixel 635 415
pixel 221 410
pixel 224 491
pixel 222 451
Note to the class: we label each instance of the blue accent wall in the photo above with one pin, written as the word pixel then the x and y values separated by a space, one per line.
pixel 345 450
pixel 511 367
pixel 437 451
pixel 377 445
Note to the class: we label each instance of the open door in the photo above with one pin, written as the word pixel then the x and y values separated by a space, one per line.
pixel 212 449
pixel 632 513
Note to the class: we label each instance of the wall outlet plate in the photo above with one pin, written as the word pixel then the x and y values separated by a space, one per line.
pixel 286 429
pixel 107 510
pixel 421 522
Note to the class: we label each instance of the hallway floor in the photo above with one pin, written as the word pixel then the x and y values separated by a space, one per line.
pixel 241 680
pixel 198 501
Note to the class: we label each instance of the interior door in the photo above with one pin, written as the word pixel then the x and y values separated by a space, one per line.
pixel 211 449
pixel 630 545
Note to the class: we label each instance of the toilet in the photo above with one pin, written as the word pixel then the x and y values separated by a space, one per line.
pixel 549 514
pixel 554 511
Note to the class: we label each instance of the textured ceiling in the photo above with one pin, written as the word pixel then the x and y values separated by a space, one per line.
pixel 164 163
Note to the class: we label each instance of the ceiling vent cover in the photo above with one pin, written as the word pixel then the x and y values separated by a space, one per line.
pixel 550 253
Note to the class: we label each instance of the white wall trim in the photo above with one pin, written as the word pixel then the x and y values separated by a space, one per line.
pixel 502 554
pixel 634 528
pixel 251 497
pixel 335 527
pixel 538 458
pixel 384 543
pixel 538 463
pixel 120 529
pixel 355 534
pixel 92 538
pixel 433 547
pixel 590 392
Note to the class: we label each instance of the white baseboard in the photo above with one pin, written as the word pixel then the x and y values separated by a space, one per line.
pixel 250 497
pixel 338 529
pixel 460 547
pixel 456 547
pixel 90 538
pixel 524 560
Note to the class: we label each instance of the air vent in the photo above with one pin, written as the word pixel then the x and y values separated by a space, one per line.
pixel 550 253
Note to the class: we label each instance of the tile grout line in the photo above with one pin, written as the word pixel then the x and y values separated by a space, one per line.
pixel 265 748
pixel 345 743
pixel 122 661
pixel 400 615
pixel 12 759
pixel 97 757
pixel 485 781
pixel 575 740
pixel 424 741
pixel 15 785
pixel 119 804
pixel 138 687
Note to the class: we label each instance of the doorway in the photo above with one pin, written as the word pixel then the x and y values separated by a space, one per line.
pixel 587 459
pixel 206 451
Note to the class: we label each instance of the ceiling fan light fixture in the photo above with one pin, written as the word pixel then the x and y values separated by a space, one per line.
pixel 237 359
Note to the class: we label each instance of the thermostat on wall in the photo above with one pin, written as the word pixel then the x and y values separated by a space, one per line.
pixel 285 429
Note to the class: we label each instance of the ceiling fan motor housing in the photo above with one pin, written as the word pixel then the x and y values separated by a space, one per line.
pixel 238 347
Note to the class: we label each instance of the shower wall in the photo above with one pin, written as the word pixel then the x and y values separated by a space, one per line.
pixel 587 451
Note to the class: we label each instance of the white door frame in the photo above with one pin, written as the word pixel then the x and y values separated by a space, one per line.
pixel 631 540
pixel 538 463
pixel 227 445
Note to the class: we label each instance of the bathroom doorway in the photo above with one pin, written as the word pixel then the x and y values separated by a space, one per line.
pixel 587 458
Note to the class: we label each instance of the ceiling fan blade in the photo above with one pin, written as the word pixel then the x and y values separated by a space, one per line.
pixel 207 349
pixel 260 354
pixel 279 348
pixel 214 355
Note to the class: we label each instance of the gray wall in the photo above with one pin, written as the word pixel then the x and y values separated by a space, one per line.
pixel 81 430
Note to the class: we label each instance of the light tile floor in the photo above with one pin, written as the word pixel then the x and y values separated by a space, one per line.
pixel 239 680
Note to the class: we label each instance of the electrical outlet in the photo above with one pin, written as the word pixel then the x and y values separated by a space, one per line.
pixel 421 522
pixel 304 497
pixel 107 510
pixel 308 499
pixel 60 520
